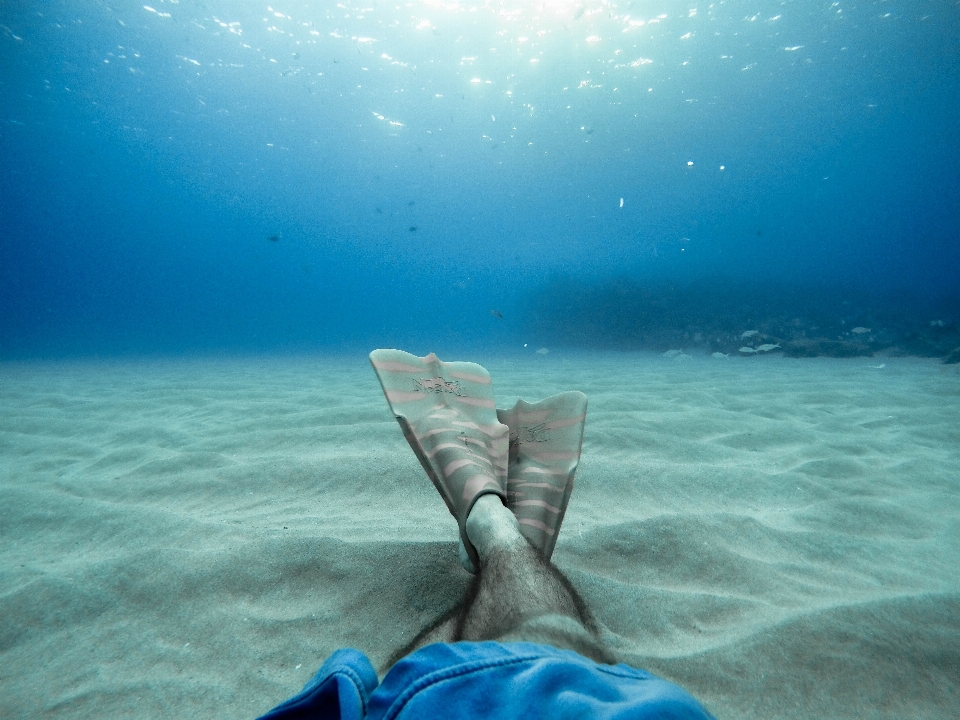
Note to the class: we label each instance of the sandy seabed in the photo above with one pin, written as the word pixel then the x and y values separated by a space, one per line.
pixel 192 538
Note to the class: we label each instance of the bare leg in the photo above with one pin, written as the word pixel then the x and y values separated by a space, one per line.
pixel 514 583
pixel 517 595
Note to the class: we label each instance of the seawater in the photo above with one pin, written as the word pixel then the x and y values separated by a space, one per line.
pixel 184 177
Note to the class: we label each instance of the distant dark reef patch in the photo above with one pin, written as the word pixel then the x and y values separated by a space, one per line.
pixel 744 318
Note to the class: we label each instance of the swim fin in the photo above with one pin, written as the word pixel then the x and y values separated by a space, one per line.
pixel 545 443
pixel 448 416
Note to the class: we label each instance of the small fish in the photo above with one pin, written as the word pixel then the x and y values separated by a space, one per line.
pixel 746 349
pixel 860 330
pixel 274 238
pixel 542 351
pixel 497 314
pixel 767 347
pixel 749 334
pixel 412 228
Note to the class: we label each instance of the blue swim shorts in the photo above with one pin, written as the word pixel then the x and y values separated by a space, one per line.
pixel 486 681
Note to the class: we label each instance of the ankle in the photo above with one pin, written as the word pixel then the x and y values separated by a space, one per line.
pixel 491 526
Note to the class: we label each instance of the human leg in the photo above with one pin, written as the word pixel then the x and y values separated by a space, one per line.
pixel 517 594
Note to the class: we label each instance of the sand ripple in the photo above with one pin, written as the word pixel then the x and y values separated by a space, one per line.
pixel 193 538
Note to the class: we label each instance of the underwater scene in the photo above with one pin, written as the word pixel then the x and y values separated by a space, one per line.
pixel 733 225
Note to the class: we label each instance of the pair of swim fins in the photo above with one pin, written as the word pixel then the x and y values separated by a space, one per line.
pixel 526 455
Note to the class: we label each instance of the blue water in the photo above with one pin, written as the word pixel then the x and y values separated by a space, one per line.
pixel 182 177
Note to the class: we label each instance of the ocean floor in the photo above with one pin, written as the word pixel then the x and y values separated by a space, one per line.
pixel 191 538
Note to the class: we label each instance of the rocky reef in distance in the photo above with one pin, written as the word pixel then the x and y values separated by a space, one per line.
pixel 742 318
